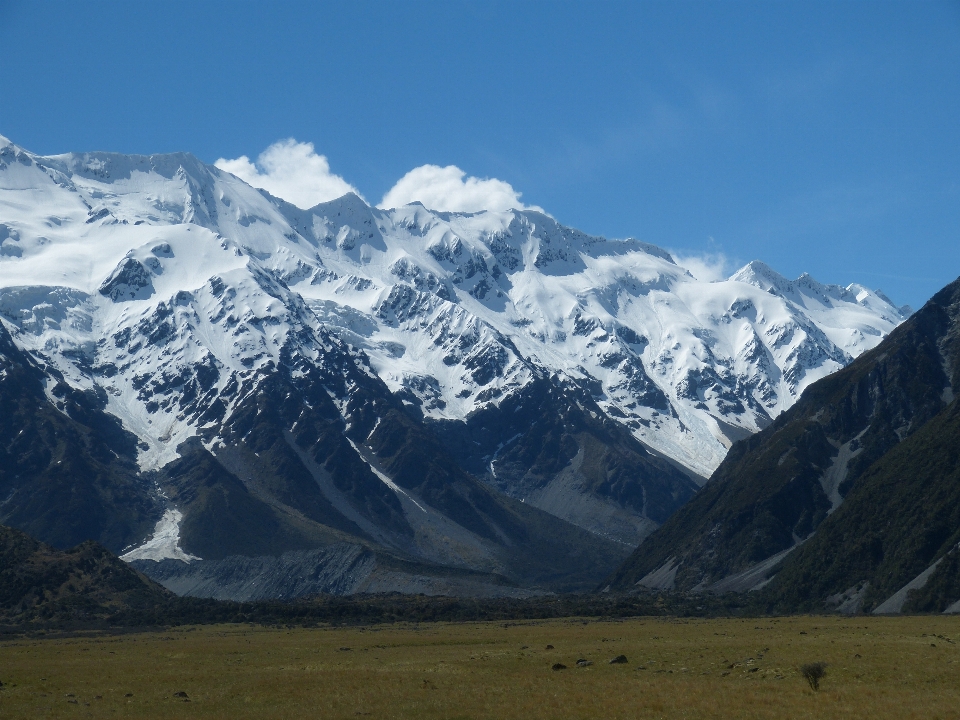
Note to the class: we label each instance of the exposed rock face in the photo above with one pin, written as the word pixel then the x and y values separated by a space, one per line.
pixel 129 281
pixel 554 448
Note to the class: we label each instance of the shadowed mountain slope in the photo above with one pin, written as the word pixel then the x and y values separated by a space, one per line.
pixel 901 518
pixel 67 469
pixel 552 447
pixel 817 492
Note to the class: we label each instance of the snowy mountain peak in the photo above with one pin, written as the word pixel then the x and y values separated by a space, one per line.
pixel 351 203
pixel 169 283
pixel 758 273
pixel 807 287
pixel 905 310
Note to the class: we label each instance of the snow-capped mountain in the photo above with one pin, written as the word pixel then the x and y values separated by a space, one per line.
pixel 455 310
pixel 847 502
pixel 176 290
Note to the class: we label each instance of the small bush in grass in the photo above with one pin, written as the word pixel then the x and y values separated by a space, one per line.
pixel 813 673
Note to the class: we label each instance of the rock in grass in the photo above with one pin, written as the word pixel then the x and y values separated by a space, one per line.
pixel 584 663
pixel 559 666
pixel 619 660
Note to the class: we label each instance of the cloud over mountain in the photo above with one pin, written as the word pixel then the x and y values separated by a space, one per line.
pixel 448 189
pixel 295 172
pixel 290 170
pixel 706 267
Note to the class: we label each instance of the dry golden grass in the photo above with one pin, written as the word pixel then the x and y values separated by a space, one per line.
pixel 877 668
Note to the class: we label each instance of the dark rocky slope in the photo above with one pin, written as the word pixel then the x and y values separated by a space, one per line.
pixel 67 469
pixel 289 473
pixel 812 493
pixel 286 475
pixel 551 446
pixel 286 470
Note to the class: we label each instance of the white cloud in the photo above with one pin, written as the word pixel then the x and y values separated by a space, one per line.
pixel 295 172
pixel 292 171
pixel 706 267
pixel 446 189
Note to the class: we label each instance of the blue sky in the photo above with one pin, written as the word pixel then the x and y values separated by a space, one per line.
pixel 818 137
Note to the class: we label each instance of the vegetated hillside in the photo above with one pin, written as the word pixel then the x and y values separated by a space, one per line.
pixel 817 492
pixel 40 583
pixel 900 520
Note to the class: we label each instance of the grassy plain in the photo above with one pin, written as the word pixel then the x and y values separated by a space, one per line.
pixel 677 668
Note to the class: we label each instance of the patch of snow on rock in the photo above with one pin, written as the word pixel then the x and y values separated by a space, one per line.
pixel 165 542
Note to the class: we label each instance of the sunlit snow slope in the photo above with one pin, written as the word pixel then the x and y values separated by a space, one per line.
pixel 166 282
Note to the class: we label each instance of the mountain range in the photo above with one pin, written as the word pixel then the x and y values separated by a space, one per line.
pixel 848 501
pixel 223 386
